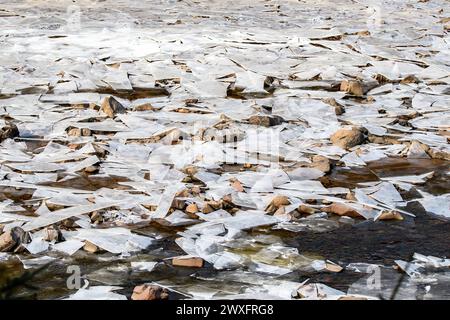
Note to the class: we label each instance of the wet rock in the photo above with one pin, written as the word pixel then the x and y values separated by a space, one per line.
pixel 150 292
pixel 348 138
pixel 12 239
pixel 266 121
pixel 111 107
pixel 187 261
pixel 8 131
pixel 341 210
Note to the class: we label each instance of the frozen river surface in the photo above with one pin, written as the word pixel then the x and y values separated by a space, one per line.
pixel 225 149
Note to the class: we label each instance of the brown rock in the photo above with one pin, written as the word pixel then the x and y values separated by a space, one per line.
pixel 348 138
pixel 96 217
pixel 85 132
pixel 8 131
pixel 196 190
pixel 144 107
pixel 211 206
pixel 280 200
pixel 237 185
pixel 265 121
pixel 353 87
pixel 91 169
pixel 52 233
pixel 207 209
pixel 363 33
pixel 306 209
pixel 341 210
pixel 192 208
pixel 321 163
pixel 12 239
pixel 277 202
pixel 338 108
pixel 390 215
pixel 149 292
pixel 190 170
pixel 332 267
pixel 90 247
pixel 410 79
pixel 187 261
pixel 74 132
pixel 280 211
pixel 357 88
pixel 111 107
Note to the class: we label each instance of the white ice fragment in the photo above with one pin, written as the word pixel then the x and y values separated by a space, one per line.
pixel 439 205
pixel 36 262
pixel 414 179
pixel 62 214
pixel 97 293
pixel 115 240
pixel 146 266
pixel 37 245
pixel 305 174
pixel 166 200
pixel 69 246
pixel 305 185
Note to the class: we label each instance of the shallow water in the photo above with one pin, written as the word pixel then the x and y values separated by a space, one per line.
pixel 379 242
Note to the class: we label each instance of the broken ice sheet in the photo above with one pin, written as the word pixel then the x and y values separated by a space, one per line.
pixel 439 205
pixel 115 240
pixel 175 82
pixel 242 220
pixel 36 262
pixel 68 246
pixel 37 245
pixel 414 179
pixel 166 200
pixel 63 214
pixel 146 266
